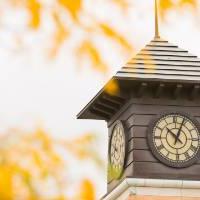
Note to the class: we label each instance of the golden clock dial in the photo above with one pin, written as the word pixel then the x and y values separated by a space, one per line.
pixel 117 150
pixel 175 140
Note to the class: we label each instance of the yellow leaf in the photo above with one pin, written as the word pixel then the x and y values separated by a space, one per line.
pixel 192 3
pixel 110 32
pixel 87 191
pixel 165 5
pixel 149 62
pixel 124 4
pixel 72 6
pixel 34 8
pixel 113 173
pixel 61 33
pixel 37 159
pixel 112 87
pixel 6 189
pixel 43 138
pixel 87 49
pixel 86 138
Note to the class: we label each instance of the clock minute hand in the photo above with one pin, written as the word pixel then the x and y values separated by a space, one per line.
pixel 174 135
pixel 179 131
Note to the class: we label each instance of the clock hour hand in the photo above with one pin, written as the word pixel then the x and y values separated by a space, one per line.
pixel 179 131
pixel 174 135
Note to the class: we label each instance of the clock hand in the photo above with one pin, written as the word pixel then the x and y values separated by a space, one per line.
pixel 174 135
pixel 179 131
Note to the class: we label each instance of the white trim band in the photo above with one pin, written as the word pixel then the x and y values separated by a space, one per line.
pixel 157 187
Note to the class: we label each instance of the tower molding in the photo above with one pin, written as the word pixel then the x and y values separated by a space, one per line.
pixel 157 187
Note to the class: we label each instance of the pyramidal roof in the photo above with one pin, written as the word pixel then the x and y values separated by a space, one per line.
pixel 162 60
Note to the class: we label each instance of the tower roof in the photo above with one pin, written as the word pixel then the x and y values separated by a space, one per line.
pixel 164 61
pixel 159 62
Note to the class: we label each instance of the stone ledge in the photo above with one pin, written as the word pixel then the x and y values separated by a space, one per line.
pixel 155 187
pixel 159 198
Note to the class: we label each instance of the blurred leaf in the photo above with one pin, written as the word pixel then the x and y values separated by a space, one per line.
pixel 111 33
pixel 112 87
pixel 43 138
pixel 124 4
pixel 72 6
pixel 87 191
pixel 193 3
pixel 87 138
pixel 167 5
pixel 88 50
pixel 6 185
pixel 34 8
pixel 113 173
pixel 61 33
pixel 149 62
pixel 84 148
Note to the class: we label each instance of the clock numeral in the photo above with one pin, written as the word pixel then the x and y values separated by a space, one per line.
pixel 174 119
pixel 160 147
pixel 195 139
pixel 159 128
pixel 157 137
pixel 187 155
pixel 177 157
pixel 193 148
pixel 185 121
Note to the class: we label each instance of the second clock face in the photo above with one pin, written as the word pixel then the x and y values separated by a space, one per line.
pixel 175 140
pixel 117 150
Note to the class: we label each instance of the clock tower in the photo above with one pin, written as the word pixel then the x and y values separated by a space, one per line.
pixel 153 124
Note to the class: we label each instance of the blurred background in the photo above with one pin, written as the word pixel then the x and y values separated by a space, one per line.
pixel 55 56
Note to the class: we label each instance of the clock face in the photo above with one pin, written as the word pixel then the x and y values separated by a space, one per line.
pixel 175 140
pixel 117 150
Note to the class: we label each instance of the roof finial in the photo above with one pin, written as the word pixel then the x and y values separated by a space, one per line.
pixel 156 21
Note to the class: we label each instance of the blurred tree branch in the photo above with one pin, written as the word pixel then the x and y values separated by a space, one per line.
pixel 68 16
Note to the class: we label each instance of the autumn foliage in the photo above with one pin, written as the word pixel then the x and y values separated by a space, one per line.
pixel 33 166
pixel 68 17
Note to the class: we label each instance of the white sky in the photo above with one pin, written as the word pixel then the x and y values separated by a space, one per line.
pixel 34 91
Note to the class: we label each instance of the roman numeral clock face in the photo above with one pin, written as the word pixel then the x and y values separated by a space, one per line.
pixel 174 139
pixel 117 150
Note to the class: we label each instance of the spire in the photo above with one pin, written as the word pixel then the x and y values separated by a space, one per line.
pixel 156 21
